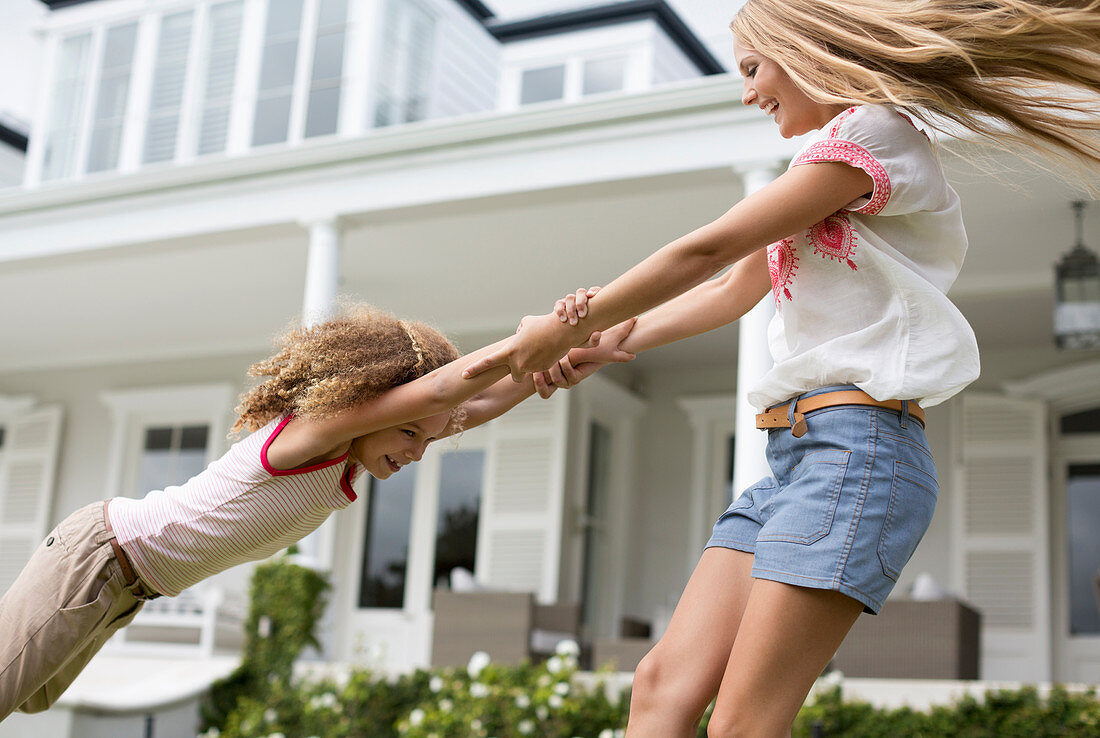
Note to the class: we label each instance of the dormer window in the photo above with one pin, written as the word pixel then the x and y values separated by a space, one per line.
pixel 542 84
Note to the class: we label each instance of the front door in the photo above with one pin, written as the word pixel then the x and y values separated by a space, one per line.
pixel 1077 546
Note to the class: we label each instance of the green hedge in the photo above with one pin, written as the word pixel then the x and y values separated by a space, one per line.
pixel 260 699
pixel 545 701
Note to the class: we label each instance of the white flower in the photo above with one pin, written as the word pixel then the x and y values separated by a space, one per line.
pixel 555 701
pixel 523 701
pixel 832 679
pixel 554 664
pixel 544 680
pixel 607 733
pixel 541 712
pixel 561 688
pixel 276 735
pixel 475 724
pixel 477 663
pixel 416 717
pixel 446 705
pixel 477 689
pixel 435 684
pixel 526 727
pixel 568 647
pixel 270 715
pixel 212 733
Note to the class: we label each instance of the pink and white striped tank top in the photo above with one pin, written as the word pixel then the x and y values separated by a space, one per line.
pixel 238 509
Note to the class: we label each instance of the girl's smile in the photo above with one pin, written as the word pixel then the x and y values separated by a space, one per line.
pixel 383 453
pixel 772 90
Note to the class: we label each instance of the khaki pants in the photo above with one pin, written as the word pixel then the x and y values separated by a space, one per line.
pixel 70 598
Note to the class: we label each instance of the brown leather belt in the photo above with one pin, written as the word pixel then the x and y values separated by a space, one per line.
pixel 779 416
pixel 128 573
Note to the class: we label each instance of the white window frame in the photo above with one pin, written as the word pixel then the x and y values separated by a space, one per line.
pixel 132 411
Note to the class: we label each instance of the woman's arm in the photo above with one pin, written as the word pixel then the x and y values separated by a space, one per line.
pixel 798 199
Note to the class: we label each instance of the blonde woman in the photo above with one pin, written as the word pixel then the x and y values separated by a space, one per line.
pixel 363 391
pixel 858 243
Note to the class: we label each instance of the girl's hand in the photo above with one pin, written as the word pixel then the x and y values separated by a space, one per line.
pixel 574 306
pixel 580 363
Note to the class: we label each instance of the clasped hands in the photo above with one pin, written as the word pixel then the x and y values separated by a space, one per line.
pixel 555 349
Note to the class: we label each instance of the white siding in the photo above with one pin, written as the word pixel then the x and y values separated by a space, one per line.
pixel 465 63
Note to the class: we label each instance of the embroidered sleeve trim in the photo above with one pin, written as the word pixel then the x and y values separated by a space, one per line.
pixel 857 156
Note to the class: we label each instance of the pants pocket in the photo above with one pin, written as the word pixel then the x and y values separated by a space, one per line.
pixel 805 509
pixel 913 494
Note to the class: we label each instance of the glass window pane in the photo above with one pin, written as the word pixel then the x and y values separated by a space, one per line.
pixel 1083 520
pixel 194 437
pixel 595 534
pixel 110 108
pixel 332 13
pixel 279 62
pixel 456 521
pixel 283 17
pixel 540 85
pixel 158 439
pixel 324 112
pixel 386 548
pixel 405 64
pixel 156 471
pixel 1086 421
pixel 604 75
pixel 328 57
pixel 67 103
pixel 272 121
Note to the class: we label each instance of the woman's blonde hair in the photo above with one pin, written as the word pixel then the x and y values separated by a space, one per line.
pixel 1012 71
pixel 322 369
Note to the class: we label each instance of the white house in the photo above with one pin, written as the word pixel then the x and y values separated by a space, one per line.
pixel 201 172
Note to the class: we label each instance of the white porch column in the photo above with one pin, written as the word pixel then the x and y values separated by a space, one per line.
pixel 753 361
pixel 322 270
pixel 318 304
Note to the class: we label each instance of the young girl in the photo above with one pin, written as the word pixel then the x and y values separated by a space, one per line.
pixel 363 391
pixel 865 236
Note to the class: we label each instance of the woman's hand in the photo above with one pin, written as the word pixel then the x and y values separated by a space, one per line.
pixel 574 306
pixel 582 362
pixel 540 341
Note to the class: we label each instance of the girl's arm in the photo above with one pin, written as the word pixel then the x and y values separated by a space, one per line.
pixel 506 394
pixel 798 199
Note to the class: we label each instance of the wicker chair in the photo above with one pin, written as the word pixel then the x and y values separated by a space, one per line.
pixel 509 626
pixel 914 639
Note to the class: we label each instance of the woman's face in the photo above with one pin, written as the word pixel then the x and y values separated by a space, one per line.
pixel 770 88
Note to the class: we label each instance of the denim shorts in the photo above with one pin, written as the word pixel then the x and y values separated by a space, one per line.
pixel 845 507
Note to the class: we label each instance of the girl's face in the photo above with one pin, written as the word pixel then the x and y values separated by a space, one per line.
pixel 770 88
pixel 384 452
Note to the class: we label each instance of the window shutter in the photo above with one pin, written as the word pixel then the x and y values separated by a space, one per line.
pixel 519 537
pixel 28 466
pixel 168 85
pixel 1001 528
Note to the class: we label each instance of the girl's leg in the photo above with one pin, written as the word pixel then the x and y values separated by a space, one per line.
pixel 676 680
pixel 786 638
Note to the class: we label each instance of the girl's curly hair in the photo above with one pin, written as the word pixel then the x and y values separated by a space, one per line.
pixel 325 368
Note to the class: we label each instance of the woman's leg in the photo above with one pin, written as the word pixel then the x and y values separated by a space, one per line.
pixel 679 677
pixel 786 638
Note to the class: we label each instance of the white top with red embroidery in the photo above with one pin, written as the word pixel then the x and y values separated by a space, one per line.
pixel 861 296
pixel 238 509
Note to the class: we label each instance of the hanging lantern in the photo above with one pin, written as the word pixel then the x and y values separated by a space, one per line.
pixel 1077 294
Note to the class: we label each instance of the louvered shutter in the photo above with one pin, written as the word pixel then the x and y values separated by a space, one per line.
pixel 519 530
pixel 1002 532
pixel 27 471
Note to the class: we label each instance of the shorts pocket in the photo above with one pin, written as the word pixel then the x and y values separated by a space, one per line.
pixel 804 510
pixel 913 494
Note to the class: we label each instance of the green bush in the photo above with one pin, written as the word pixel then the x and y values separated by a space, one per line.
pixel 1002 714
pixel 285 603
